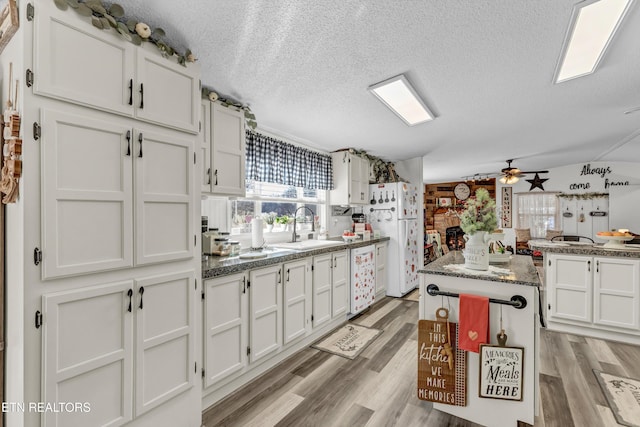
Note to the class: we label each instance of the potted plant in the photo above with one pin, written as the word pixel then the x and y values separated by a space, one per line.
pixel 284 220
pixel 477 220
pixel 269 219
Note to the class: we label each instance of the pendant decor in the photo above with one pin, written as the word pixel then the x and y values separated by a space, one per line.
pixel 501 369
pixel 11 146
pixel 442 367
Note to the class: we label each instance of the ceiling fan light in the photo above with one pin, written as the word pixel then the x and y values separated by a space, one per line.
pixel 509 179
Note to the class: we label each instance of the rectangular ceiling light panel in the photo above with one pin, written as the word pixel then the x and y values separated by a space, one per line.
pixel 397 94
pixel 593 25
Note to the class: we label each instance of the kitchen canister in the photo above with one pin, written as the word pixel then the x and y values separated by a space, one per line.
pixel 257 239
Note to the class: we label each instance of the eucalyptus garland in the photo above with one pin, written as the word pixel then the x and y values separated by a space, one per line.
pixel 583 196
pixel 213 96
pixel 112 16
pixel 382 170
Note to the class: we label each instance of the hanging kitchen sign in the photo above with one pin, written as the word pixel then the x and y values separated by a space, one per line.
pixel 506 207
pixel 501 372
pixel 442 367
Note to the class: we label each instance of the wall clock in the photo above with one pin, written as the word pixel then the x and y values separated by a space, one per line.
pixel 462 191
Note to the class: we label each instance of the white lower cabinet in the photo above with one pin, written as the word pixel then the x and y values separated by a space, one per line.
pixel 265 312
pixel 322 284
pixel 340 283
pixel 297 299
pixel 226 325
pixel 599 292
pixel 381 267
pixel 116 344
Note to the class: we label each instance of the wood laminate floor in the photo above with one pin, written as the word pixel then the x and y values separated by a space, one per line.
pixel 378 388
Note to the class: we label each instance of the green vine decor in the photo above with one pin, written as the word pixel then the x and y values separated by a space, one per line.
pixel 213 96
pixel 382 170
pixel 135 32
pixel 584 196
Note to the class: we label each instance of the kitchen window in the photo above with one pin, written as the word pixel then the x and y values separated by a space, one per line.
pixel 280 202
pixel 538 212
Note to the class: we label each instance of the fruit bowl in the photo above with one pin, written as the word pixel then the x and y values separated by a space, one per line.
pixel 615 241
pixel 349 239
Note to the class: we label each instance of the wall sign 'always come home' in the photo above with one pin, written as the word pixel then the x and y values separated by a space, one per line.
pixel 438 381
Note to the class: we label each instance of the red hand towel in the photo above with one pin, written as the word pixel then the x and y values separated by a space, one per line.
pixel 473 322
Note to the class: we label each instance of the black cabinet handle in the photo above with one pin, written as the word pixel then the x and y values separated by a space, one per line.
pixel 597 266
pixel 287 274
pixel 141 96
pixel 130 91
pixel 128 143
pixel 209 175
pixel 129 294
pixel 279 276
pixel 215 173
pixel 588 265
pixel 140 138
pixel 141 291
pixel 244 285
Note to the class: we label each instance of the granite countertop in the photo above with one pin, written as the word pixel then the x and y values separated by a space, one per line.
pixel 216 266
pixel 579 248
pixel 521 270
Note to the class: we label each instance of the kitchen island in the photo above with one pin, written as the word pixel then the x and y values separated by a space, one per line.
pixel 592 290
pixel 518 277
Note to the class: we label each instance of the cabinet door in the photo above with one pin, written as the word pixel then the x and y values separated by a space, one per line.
pixel 226 323
pixel 616 292
pixel 381 267
pixel 166 93
pixel 227 151
pixel 340 194
pixel 87 354
pixel 358 190
pixel 322 267
pixel 297 307
pixel 205 146
pixel 78 63
pixel 265 302
pixel 164 192
pixel 340 300
pixel 165 321
pixel 364 180
pixel 570 287
pixel 87 219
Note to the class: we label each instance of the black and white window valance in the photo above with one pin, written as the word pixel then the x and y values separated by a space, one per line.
pixel 275 161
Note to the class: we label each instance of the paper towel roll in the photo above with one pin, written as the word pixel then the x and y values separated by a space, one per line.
pixel 257 241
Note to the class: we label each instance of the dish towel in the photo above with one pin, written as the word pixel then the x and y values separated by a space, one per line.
pixel 474 322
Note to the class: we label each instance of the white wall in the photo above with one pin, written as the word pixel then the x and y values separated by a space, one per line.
pixel 581 178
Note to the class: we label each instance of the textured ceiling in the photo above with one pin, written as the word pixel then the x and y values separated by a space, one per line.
pixel 485 68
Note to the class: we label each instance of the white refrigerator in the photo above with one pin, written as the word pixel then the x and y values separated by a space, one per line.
pixel 394 211
pixel 363 278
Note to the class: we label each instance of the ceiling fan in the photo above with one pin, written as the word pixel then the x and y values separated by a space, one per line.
pixel 511 175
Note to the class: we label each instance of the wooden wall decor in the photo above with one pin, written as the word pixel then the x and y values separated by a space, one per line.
pixel 434 192
pixel 437 381
pixel 507 204
pixel 9 23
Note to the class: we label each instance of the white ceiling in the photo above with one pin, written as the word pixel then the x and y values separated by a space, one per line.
pixel 485 68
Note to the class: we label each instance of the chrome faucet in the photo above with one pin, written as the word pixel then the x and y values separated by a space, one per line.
pixel 294 236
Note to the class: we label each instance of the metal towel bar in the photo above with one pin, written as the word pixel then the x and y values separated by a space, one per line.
pixel 517 301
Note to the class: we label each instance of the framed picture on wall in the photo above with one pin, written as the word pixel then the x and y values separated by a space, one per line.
pixel 507 203
pixel 444 201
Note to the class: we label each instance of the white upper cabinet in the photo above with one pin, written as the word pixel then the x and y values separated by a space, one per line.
pixel 78 63
pixel 204 137
pixel 107 187
pixel 227 173
pixel 350 179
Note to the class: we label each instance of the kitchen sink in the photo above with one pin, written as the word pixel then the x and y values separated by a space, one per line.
pixel 307 244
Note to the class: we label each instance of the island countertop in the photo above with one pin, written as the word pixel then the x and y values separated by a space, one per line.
pixel 579 248
pixel 521 270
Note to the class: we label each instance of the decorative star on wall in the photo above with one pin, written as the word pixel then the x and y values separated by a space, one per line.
pixel 537 182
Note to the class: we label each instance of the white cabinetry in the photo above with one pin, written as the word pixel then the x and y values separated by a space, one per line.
pixel 381 268
pixel 226 144
pixel 226 325
pixel 322 284
pixel 205 146
pixel 598 292
pixel 265 302
pixel 350 179
pixel 101 175
pixel 75 63
pixel 340 284
pixel 88 339
pixel 297 299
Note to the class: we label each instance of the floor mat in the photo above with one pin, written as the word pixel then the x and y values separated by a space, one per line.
pixel 348 341
pixel 623 397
